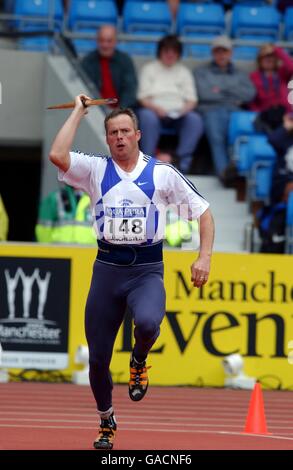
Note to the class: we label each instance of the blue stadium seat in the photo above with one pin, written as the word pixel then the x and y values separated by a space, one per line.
pixel 260 163
pixel 241 125
pixel 200 20
pixel 138 48
pixel 86 16
pixel 289 225
pixel 151 19
pixel 37 15
pixel 260 181
pixel 254 148
pixel 146 18
pixel 240 129
pixel 288 24
pixel 245 52
pixel 255 23
pixel 199 51
pixel 90 14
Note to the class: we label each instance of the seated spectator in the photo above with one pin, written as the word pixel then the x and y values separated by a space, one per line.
pixel 167 96
pixel 65 217
pixel 282 141
pixel 110 70
pixel 271 219
pixel 3 222
pixel 222 88
pixel 275 68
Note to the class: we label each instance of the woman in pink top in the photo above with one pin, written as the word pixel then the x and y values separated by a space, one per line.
pixel 275 69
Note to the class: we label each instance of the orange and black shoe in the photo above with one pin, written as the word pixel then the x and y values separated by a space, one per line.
pixel 138 383
pixel 106 436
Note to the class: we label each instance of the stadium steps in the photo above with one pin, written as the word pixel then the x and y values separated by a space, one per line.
pixel 231 217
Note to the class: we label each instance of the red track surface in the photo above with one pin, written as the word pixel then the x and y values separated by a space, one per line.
pixel 59 416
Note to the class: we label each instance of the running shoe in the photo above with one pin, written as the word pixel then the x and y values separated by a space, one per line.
pixel 138 383
pixel 106 436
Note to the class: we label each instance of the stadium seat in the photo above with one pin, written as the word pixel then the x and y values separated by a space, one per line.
pixel 200 21
pixel 44 14
pixel 260 181
pixel 289 225
pixel 288 24
pixel 86 16
pixel 254 148
pixel 138 48
pixel 260 160
pixel 245 53
pixel 255 23
pixel 199 51
pixel 148 19
pixel 241 125
pixel 37 15
pixel 240 129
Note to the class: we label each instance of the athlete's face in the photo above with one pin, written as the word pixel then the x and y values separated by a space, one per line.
pixel 122 138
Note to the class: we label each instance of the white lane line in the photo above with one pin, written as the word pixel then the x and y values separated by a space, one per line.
pixel 143 423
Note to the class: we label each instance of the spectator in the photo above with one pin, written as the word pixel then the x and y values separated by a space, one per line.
pixel 3 222
pixel 111 71
pixel 282 141
pixel 275 68
pixel 168 97
pixel 222 88
pixel 271 219
pixel 65 217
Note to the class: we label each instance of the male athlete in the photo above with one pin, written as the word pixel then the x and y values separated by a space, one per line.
pixel 129 194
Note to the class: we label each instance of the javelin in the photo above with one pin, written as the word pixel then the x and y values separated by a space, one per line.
pixel 98 102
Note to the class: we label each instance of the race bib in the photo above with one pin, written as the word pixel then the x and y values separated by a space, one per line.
pixel 125 224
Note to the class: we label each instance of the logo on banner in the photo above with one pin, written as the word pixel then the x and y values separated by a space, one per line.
pixel 34 311
pixel 27 282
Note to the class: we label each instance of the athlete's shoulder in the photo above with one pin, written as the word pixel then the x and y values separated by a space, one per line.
pixel 164 167
pixel 175 177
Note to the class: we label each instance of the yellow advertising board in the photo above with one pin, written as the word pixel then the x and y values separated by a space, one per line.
pixel 245 308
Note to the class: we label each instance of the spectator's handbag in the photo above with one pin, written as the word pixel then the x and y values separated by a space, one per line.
pixel 272 224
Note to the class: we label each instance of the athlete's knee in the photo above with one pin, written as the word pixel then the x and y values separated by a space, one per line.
pixel 147 328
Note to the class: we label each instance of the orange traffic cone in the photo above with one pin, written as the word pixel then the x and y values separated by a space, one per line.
pixel 256 420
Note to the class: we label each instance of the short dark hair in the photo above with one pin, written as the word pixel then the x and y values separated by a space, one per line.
pixel 169 42
pixel 118 112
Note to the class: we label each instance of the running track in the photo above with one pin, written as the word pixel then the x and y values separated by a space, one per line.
pixel 63 416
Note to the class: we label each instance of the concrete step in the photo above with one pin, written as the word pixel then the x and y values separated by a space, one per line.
pixel 230 215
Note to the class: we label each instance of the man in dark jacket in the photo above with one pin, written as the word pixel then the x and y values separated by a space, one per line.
pixel 110 70
pixel 221 88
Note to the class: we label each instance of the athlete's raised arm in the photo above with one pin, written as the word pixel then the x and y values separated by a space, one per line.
pixel 59 153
